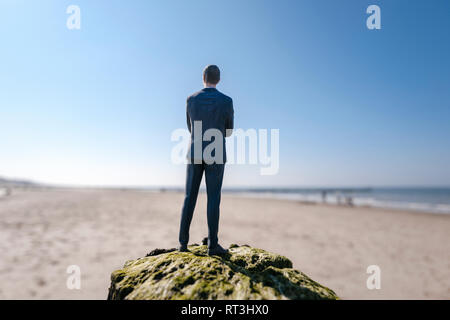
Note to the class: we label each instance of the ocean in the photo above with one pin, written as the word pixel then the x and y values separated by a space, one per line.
pixel 431 200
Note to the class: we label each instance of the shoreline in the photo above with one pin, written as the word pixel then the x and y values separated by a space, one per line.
pixel 328 204
pixel 248 195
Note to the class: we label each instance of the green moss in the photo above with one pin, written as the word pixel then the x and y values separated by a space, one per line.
pixel 244 273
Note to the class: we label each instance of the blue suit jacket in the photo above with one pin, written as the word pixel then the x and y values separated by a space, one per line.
pixel 215 111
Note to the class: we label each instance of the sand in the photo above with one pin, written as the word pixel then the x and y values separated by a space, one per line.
pixel 42 232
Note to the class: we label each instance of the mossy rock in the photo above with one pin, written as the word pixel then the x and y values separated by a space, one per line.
pixel 244 273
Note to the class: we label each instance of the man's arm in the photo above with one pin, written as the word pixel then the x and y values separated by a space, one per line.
pixel 229 125
pixel 188 119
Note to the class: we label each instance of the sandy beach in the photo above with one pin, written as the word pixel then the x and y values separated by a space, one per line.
pixel 42 232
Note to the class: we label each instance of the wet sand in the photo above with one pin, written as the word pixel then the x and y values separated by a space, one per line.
pixel 42 232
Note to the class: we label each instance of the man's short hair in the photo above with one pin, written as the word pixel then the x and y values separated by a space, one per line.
pixel 211 74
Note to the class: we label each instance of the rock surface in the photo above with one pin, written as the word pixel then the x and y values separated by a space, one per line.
pixel 244 273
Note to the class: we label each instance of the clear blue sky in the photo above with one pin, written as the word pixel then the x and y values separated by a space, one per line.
pixel 354 106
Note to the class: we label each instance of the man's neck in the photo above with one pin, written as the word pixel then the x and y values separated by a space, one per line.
pixel 208 85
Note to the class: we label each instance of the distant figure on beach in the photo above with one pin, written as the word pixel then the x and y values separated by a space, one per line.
pixel 338 198
pixel 5 192
pixel 349 201
pixel 210 118
pixel 324 196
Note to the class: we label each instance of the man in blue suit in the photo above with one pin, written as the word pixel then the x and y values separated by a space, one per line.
pixel 210 118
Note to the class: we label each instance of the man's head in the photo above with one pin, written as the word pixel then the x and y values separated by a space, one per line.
pixel 211 75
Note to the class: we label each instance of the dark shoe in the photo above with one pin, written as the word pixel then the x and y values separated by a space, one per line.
pixel 217 251
pixel 183 248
